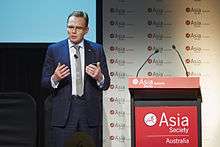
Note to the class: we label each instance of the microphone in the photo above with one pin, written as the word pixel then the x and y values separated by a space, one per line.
pixel 174 48
pixel 156 51
pixel 74 51
pixel 75 56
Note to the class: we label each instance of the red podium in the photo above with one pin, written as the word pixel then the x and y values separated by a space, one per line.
pixel 165 111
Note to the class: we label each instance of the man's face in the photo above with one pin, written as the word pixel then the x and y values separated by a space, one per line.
pixel 76 29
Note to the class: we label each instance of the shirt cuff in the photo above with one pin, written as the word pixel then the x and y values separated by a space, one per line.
pixel 54 84
pixel 101 83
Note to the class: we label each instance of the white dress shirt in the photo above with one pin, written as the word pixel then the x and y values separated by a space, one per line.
pixel 72 52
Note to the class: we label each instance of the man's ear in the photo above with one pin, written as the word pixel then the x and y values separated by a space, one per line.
pixel 87 30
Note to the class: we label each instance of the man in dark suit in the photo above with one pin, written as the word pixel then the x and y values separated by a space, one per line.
pixel 76 72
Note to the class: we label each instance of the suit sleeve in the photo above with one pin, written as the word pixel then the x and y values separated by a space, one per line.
pixel 48 69
pixel 104 68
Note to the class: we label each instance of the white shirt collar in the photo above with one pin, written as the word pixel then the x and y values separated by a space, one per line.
pixel 81 44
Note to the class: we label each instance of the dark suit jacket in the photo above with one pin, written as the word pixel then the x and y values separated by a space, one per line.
pixel 59 52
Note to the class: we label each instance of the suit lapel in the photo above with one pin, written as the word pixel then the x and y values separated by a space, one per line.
pixel 90 54
pixel 66 56
pixel 66 53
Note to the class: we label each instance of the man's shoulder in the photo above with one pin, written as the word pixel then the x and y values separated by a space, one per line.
pixel 59 44
pixel 92 44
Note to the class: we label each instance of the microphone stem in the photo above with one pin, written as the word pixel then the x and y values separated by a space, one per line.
pixel 144 64
pixel 187 74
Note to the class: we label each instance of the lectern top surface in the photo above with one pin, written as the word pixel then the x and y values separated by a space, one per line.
pixel 163 82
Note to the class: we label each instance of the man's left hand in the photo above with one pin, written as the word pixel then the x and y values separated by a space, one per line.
pixel 94 71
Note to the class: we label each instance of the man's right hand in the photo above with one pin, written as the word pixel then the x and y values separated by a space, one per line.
pixel 60 72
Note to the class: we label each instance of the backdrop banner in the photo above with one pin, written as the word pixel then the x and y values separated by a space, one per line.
pixel 133 30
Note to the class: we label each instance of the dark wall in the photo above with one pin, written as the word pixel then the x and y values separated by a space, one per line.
pixel 20 70
pixel 20 66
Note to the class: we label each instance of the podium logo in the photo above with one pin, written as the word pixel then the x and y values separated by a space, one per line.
pixel 143 82
pixel 176 120
pixel 135 81
pixel 150 119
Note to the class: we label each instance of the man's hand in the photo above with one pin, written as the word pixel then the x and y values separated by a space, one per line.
pixel 60 72
pixel 94 71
